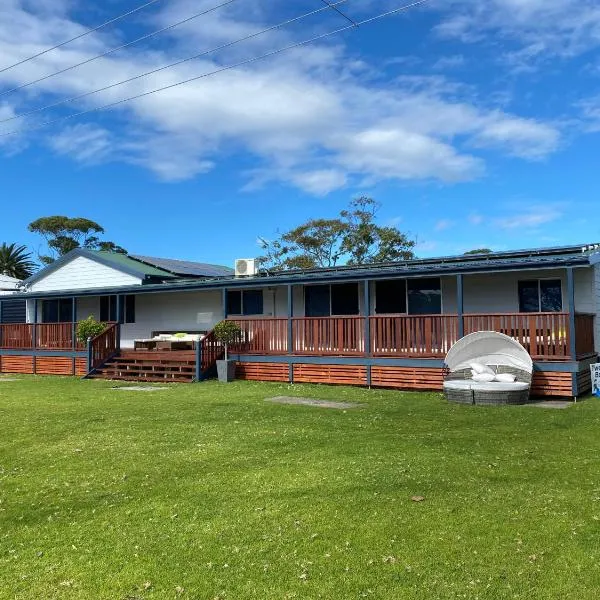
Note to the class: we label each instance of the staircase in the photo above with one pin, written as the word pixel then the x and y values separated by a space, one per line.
pixel 161 367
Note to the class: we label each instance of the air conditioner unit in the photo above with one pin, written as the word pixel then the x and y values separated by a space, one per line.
pixel 245 267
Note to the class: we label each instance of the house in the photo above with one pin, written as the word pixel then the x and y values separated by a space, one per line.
pixel 387 325
pixel 12 311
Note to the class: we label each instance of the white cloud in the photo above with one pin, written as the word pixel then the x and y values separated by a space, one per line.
pixel 475 219
pixel 444 224
pixel 313 118
pixel 544 28
pixel 532 216
pixel 87 144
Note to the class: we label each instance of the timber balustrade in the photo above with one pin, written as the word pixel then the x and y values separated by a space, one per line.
pixel 39 336
pixel 104 346
pixel 546 336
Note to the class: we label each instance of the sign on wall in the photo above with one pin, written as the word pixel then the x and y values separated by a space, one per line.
pixel 595 379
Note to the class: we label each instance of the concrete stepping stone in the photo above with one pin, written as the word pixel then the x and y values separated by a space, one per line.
pixel 314 402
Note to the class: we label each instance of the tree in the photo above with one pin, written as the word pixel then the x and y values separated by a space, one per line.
pixel 16 261
pixel 63 234
pixel 479 251
pixel 353 238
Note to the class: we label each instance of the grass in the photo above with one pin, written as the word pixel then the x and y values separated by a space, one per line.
pixel 208 492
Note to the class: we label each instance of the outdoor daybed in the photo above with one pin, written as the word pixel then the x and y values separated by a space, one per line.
pixel 487 355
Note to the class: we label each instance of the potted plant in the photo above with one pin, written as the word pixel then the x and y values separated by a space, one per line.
pixel 226 332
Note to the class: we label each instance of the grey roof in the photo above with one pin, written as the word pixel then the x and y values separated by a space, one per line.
pixel 522 260
pixel 185 267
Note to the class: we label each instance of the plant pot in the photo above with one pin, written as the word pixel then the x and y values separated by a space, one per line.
pixel 226 370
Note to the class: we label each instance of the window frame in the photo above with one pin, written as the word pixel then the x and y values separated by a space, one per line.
pixel 539 281
pixel 330 287
pixel 243 311
pixel 61 304
pixel 128 315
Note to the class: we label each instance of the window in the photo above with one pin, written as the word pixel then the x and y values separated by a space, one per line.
pixel 540 295
pixel 108 309
pixel 57 311
pixel 317 301
pixel 390 297
pixel 327 300
pixel 424 296
pixel 344 299
pixel 247 303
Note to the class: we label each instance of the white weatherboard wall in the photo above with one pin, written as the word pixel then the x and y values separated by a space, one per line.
pixel 83 273
pixel 183 312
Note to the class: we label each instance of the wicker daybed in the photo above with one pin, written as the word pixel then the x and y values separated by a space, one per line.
pixel 502 355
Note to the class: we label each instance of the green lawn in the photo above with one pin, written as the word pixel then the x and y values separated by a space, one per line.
pixel 207 492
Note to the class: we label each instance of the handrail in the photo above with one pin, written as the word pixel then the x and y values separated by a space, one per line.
pixel 103 346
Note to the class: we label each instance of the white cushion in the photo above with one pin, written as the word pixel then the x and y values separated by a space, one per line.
pixel 483 377
pixel 481 368
pixel 497 386
pixel 505 377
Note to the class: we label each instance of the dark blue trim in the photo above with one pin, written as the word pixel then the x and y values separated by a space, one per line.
pixel 199 374
pixel 574 385
pixel 308 278
pixel 291 373
pixel 290 314
pixel 562 367
pixel 367 313
pixel 571 300
pixel 460 305
pixel 224 302
pixel 29 352
pixel 89 356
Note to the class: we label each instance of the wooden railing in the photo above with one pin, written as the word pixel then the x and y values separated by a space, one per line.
pixel 543 335
pixel 584 334
pixel 328 335
pixel 262 336
pixel 427 336
pixel 103 346
pixel 39 336
pixel 211 351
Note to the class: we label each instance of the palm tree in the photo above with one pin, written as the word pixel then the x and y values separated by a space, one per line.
pixel 15 261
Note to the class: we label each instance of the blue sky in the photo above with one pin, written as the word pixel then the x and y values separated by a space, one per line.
pixel 474 124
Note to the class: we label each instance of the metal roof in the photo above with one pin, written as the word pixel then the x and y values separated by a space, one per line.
pixel 489 263
pixel 184 267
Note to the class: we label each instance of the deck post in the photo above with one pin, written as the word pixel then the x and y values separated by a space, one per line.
pixel 198 362
pixel 90 358
pixel 460 306
pixel 224 302
pixel 119 319
pixel 571 301
pixel 367 314
pixel 290 330
pixel 74 323
pixel 34 328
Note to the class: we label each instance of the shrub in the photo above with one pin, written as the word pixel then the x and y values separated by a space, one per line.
pixel 89 328
pixel 227 332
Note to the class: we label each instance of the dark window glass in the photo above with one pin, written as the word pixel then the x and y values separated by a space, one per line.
pixel 317 301
pixel 253 302
pixel 424 296
pixel 50 311
pixel 234 303
pixel 344 299
pixel 57 311
pixel 529 296
pixel 551 295
pixel 108 308
pixel 390 297
pixel 129 309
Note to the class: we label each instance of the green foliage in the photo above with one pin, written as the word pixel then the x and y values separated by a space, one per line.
pixel 16 261
pixel 63 234
pixel 207 491
pixel 479 251
pixel 354 238
pixel 227 332
pixel 89 328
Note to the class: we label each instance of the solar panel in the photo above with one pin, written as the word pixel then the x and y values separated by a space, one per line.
pixel 185 267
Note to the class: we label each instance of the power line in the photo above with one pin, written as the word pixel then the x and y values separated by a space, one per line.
pixel 113 50
pixel 221 69
pixel 337 10
pixel 81 35
pixel 170 65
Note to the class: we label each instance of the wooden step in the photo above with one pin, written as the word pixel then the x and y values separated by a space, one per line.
pixel 146 371
pixel 142 379
pixel 131 361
